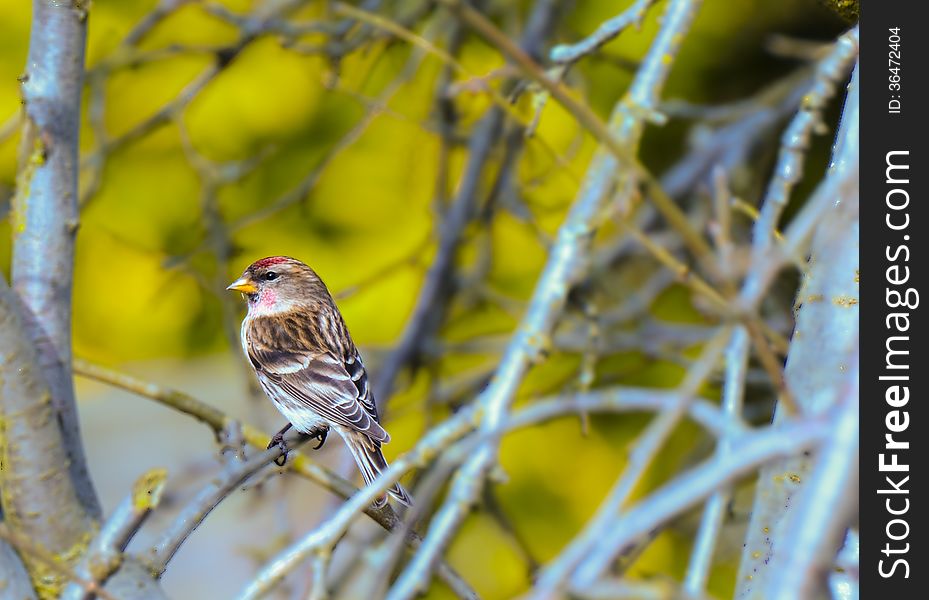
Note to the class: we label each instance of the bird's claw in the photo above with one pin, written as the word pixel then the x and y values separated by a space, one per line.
pixel 277 440
pixel 320 437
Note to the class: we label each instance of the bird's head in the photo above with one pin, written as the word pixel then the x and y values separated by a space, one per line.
pixel 278 284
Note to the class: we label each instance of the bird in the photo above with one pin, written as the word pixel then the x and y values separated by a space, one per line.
pixel 296 340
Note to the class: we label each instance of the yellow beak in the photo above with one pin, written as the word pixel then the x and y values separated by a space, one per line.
pixel 243 284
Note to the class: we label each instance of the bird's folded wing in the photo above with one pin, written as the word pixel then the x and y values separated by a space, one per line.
pixel 322 382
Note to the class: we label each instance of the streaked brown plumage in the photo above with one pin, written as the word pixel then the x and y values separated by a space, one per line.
pixel 306 362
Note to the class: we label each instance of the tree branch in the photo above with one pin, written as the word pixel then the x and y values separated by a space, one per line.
pixel 45 217
pixel 640 105
pixel 452 440
pixel 796 139
pixel 52 567
pixel 553 578
pixel 299 463
pixel 567 265
pixel 428 313
pixel 826 334
pixel 701 559
pixel 608 30
pixel 748 454
pixel 106 552
pixel 14 578
pixel 191 516
pixel 826 507
pixel 35 482
pixel 218 421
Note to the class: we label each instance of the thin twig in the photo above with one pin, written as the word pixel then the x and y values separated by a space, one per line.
pixel 428 312
pixel 748 453
pixel 567 265
pixel 701 558
pixel 606 31
pixel 796 139
pixel 209 497
pixel 555 575
pixel 641 104
pixel 218 421
pixel 105 554
pixel 444 439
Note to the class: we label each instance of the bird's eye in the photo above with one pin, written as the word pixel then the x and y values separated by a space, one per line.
pixel 270 276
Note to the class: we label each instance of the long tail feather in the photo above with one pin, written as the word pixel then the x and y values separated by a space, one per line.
pixel 371 463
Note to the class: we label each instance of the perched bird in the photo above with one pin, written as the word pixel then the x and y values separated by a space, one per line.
pixel 307 364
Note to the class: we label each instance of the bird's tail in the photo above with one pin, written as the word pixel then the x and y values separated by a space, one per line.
pixel 367 453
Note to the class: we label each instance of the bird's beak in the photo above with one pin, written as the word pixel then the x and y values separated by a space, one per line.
pixel 243 284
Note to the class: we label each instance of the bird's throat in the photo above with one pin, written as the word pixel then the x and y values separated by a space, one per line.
pixel 265 304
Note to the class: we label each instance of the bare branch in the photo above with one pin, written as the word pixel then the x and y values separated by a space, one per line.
pixel 730 144
pixel 701 559
pixel 105 554
pixel 428 312
pixel 640 104
pixel 444 439
pixel 747 454
pixel 35 479
pixel 190 517
pixel 826 335
pixel 13 576
pixel 824 510
pixel 297 462
pixel 553 578
pixel 327 534
pixel 45 219
pixel 796 139
pixel 567 265
pixel 52 568
pixel 218 421
pixel 608 30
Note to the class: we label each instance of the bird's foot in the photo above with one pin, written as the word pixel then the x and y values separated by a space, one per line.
pixel 277 440
pixel 320 436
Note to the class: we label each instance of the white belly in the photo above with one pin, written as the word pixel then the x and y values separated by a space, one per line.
pixel 303 419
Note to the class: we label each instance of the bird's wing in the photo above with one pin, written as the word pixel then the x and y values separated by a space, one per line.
pixel 356 370
pixel 332 387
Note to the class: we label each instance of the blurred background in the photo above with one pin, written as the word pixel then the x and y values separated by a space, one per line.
pixel 203 151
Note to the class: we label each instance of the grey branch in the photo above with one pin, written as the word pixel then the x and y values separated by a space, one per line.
pixel 826 334
pixel 690 488
pixel 105 554
pixel 45 218
pixel 234 474
pixel 567 265
pixel 35 479
pixel 428 312
pixel 826 507
pixel 796 139
pixel 608 30
pixel 701 559
pixel 13 576
pixel 554 577
pixel 444 437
